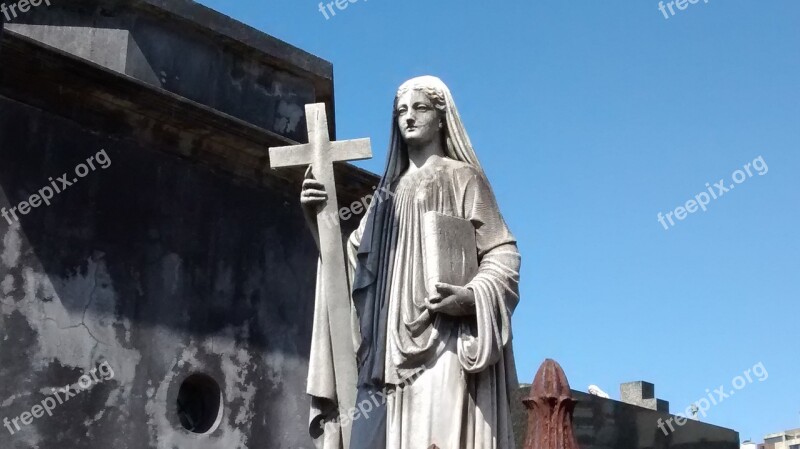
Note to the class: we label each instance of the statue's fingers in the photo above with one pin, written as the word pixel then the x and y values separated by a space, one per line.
pixel 316 199
pixel 435 298
pixel 313 184
pixel 432 306
pixel 313 193
pixel 312 201
pixel 452 299
pixel 309 173
pixel 426 303
pixel 445 289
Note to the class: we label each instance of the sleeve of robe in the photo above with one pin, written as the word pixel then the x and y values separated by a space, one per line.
pixel 321 386
pixel 496 286
pixel 484 346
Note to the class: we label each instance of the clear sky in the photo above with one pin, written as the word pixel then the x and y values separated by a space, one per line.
pixel 591 117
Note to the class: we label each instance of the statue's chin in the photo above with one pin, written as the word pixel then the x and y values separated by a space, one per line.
pixel 414 142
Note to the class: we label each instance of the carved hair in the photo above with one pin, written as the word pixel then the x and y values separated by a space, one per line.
pixel 435 96
pixel 456 143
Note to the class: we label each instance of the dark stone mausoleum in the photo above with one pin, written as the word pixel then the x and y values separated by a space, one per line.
pixel 184 265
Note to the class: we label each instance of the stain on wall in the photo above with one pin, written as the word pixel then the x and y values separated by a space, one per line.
pixel 162 269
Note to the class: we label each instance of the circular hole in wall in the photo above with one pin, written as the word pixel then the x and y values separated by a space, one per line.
pixel 200 404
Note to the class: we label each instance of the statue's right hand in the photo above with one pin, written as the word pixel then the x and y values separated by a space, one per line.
pixel 313 195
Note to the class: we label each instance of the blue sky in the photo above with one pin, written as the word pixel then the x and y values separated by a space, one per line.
pixel 590 118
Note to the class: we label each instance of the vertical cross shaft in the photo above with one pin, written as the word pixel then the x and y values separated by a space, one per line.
pixel 321 153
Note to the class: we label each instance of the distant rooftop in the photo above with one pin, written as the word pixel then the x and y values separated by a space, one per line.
pixel 793 433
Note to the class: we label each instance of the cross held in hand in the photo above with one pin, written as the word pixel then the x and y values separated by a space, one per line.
pixel 321 153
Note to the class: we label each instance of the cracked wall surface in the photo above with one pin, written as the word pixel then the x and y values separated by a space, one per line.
pixel 162 269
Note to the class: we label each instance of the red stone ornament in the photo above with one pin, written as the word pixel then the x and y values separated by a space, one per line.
pixel 550 407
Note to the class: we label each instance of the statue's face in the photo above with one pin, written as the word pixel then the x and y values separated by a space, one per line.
pixel 418 120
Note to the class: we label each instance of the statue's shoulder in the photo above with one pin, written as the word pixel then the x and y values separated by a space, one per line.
pixel 453 170
pixel 463 170
pixel 457 166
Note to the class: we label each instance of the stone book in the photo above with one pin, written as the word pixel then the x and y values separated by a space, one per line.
pixel 450 250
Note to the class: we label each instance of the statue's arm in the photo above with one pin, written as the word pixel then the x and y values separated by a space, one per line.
pixel 498 255
pixel 480 207
pixel 496 285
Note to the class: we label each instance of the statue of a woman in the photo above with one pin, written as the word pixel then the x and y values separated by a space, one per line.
pixel 435 369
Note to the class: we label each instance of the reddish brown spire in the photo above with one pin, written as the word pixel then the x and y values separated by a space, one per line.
pixel 550 406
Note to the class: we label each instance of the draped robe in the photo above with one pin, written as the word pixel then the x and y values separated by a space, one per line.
pixel 440 380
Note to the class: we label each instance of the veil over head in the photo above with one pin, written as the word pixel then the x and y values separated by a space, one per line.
pixel 457 144
pixel 369 284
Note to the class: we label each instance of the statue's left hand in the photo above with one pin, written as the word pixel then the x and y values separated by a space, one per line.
pixel 452 300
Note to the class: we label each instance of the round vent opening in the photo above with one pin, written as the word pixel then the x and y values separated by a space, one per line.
pixel 200 404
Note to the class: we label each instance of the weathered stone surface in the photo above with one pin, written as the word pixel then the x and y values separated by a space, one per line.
pixel 642 394
pixel 550 406
pixel 193 51
pixel 458 340
pixel 186 255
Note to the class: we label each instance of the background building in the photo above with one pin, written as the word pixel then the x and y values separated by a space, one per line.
pixel 789 439
pixel 602 423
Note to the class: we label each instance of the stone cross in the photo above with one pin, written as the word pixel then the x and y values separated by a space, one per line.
pixel 321 153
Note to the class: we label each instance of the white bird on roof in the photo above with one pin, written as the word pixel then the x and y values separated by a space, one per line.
pixel 596 391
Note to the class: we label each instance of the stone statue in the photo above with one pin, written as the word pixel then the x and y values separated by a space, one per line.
pixel 433 368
